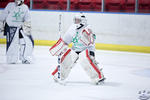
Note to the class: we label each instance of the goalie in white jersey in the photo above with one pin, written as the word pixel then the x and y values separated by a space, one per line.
pixel 80 34
pixel 15 24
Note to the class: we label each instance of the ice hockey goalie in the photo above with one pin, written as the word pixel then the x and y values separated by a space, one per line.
pixel 83 39
pixel 15 24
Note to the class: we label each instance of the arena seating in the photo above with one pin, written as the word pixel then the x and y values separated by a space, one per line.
pixel 39 4
pixel 73 5
pixel 97 5
pixel 53 4
pixel 113 5
pixel 26 2
pixel 144 6
pixel 3 3
pixel 129 6
pixel 85 5
pixel 63 5
pixel 88 5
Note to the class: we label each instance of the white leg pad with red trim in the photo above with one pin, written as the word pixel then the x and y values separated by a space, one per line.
pixel 67 61
pixel 89 65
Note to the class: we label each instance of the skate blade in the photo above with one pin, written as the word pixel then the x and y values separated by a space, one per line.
pixel 60 82
pixel 101 82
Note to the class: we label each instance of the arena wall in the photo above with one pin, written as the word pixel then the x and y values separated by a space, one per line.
pixel 114 31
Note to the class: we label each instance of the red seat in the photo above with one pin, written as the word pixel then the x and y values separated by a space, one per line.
pixel 144 6
pixel 3 3
pixel 63 4
pixel 129 6
pixel 11 0
pixel 74 4
pixel 54 4
pixel 39 4
pixel 97 4
pixel 27 2
pixel 85 5
pixel 113 5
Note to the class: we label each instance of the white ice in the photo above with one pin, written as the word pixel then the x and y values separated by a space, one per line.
pixel 126 74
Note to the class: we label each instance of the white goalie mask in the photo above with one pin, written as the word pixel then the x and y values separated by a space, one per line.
pixel 80 19
pixel 19 2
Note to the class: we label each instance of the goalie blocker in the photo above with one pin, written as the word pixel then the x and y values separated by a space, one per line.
pixel 68 59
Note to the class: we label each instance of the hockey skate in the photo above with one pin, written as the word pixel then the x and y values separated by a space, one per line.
pixel 58 80
pixel 57 77
pixel 25 62
pixel 101 81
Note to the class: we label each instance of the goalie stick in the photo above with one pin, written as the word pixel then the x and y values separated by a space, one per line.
pixel 59 67
pixel 59 57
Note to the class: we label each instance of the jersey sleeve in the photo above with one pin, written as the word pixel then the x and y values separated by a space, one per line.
pixel 27 17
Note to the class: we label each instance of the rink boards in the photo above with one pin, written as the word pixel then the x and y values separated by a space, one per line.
pixel 114 31
pixel 99 46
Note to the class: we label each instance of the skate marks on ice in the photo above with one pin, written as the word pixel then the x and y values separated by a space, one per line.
pixel 111 84
pixel 87 83
pixel 77 83
pixel 3 68
pixel 100 98
pixel 144 72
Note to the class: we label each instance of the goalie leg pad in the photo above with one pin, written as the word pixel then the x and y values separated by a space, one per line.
pixel 26 48
pixel 91 68
pixel 12 47
pixel 58 48
pixel 67 61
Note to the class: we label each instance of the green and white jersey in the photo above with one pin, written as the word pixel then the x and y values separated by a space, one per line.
pixel 15 15
pixel 73 35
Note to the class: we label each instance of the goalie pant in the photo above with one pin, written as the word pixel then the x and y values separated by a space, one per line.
pixel 19 46
pixel 68 59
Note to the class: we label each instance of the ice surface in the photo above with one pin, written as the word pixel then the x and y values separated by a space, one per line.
pixel 126 73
